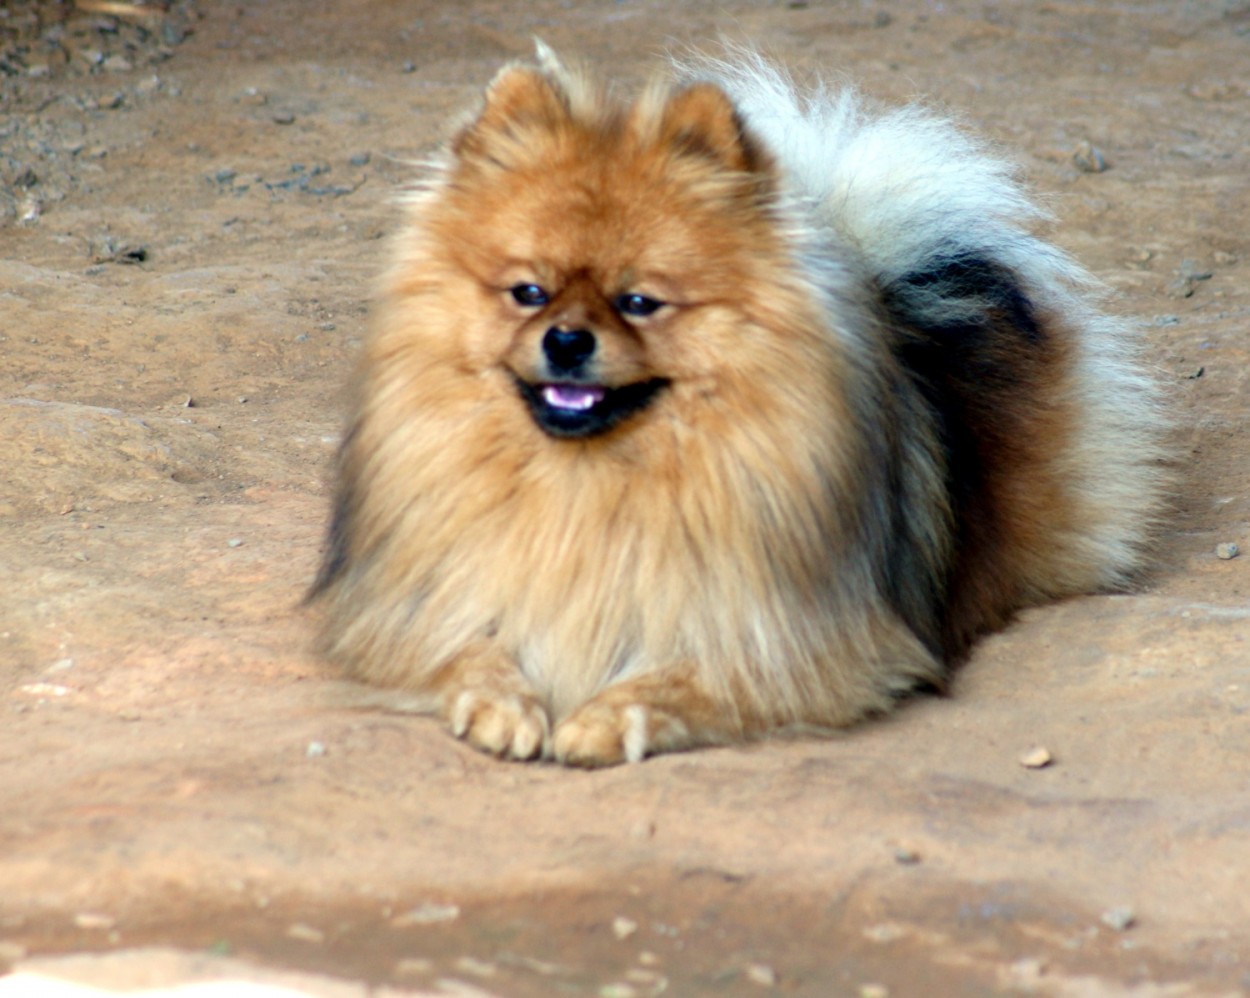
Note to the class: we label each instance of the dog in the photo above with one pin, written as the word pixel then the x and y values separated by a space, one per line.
pixel 731 410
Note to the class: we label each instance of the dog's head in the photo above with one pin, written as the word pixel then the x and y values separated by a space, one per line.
pixel 604 257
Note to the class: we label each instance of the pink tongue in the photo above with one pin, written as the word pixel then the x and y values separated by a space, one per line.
pixel 576 397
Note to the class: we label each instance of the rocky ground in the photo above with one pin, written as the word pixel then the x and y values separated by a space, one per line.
pixel 190 215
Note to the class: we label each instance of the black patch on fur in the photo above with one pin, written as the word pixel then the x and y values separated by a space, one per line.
pixel 909 579
pixel 967 336
pixel 617 405
pixel 334 560
pixel 975 282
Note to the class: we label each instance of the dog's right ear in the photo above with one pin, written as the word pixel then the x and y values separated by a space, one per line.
pixel 517 101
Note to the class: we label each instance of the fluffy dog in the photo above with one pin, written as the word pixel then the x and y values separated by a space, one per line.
pixel 731 410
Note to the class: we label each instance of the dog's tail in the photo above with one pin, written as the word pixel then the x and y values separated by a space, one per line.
pixel 903 187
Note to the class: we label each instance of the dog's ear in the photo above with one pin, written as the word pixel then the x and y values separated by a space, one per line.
pixel 518 100
pixel 521 94
pixel 701 120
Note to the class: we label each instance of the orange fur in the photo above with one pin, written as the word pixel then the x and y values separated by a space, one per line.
pixel 772 541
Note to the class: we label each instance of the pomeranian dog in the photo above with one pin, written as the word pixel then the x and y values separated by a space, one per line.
pixel 731 410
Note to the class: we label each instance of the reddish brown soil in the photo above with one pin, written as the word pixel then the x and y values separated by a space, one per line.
pixel 165 433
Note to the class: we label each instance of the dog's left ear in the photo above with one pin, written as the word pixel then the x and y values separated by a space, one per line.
pixel 701 120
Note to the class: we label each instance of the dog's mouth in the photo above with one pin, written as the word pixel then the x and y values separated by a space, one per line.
pixel 576 410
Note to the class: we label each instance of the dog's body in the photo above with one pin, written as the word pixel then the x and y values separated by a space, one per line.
pixel 726 412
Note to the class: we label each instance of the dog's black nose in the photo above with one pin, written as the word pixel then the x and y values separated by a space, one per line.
pixel 568 349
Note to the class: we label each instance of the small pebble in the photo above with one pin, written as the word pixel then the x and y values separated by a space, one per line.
pixel 408 67
pixel 1089 158
pixel 618 990
pixel 623 927
pixel 906 857
pixel 172 32
pixel 1192 270
pixel 360 159
pixel 1120 918
pixel 29 211
pixel 283 118
pixel 642 829
pixel 47 690
pixel 305 933
pixel 1180 287
pixel 426 914
pixel 761 973
pixel 543 967
pixel 873 991
pixel 1226 552
pixel 315 750
pixel 235 542
pixel 1027 972
pixel 413 967
pixel 1038 757
pixel 476 967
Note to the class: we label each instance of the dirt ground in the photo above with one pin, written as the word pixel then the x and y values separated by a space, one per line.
pixel 190 223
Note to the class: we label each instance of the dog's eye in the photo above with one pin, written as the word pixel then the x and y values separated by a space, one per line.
pixel 529 295
pixel 639 306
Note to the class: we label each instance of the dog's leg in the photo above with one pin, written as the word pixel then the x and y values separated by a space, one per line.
pixel 656 712
pixel 491 705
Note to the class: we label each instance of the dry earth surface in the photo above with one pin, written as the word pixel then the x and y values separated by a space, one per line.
pixel 190 223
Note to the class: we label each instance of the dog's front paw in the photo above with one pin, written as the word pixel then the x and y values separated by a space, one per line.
pixel 512 725
pixel 612 728
pixel 483 696
pixel 602 735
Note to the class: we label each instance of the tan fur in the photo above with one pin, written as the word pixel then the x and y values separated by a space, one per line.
pixel 718 566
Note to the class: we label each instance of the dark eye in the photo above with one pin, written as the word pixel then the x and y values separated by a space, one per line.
pixel 637 305
pixel 529 295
